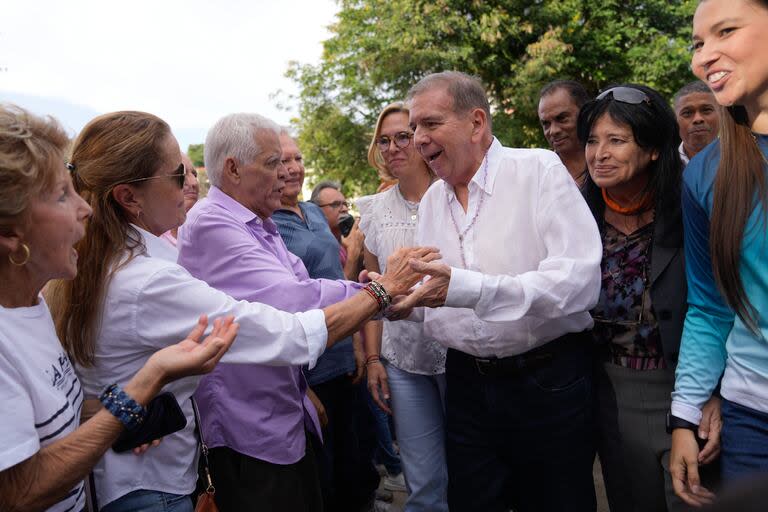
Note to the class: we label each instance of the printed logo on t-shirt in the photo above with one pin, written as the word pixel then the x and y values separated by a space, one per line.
pixel 60 372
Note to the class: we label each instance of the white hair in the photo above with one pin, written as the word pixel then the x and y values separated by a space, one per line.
pixel 233 136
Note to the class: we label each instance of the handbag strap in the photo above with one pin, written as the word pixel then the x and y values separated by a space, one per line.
pixel 210 489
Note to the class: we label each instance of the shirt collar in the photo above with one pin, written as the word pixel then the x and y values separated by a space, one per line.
pixel 683 156
pixel 218 197
pixel 494 159
pixel 157 247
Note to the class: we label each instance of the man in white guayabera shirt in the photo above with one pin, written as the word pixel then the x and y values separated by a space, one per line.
pixel 520 271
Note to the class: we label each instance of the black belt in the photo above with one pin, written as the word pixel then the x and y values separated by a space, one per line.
pixel 519 364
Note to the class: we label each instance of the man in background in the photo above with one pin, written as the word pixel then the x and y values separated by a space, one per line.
pixel 559 105
pixel 698 118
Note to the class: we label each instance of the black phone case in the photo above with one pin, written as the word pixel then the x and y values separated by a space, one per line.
pixel 164 417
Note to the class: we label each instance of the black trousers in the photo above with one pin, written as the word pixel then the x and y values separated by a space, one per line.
pixel 345 459
pixel 521 437
pixel 245 483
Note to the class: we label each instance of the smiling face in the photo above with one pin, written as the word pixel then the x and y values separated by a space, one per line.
pixel 260 183
pixel 614 158
pixel 399 161
pixel 558 114
pixel 727 38
pixel 449 143
pixel 698 119
pixel 54 222
pixel 293 162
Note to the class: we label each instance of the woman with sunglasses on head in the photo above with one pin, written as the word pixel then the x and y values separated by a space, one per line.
pixel 131 297
pixel 46 452
pixel 633 189
pixel 400 360
pixel 725 213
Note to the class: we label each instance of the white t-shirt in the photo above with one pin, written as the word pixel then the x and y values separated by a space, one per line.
pixel 39 390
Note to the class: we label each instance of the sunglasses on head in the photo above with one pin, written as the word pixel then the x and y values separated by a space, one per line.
pixel 179 176
pixel 625 95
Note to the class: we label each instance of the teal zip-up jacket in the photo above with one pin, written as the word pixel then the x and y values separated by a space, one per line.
pixel 714 339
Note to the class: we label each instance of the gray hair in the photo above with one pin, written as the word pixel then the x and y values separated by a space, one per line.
pixel 467 91
pixel 690 88
pixel 233 136
pixel 322 186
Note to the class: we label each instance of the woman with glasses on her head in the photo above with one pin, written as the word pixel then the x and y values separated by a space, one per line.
pixel 131 297
pixel 46 452
pixel 633 190
pixel 400 360
pixel 725 214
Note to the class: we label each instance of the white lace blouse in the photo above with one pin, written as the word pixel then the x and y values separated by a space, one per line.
pixel 388 222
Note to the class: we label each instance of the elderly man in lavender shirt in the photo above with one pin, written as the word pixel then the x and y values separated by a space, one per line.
pixel 254 418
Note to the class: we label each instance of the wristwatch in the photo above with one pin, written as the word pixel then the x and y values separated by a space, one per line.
pixel 674 422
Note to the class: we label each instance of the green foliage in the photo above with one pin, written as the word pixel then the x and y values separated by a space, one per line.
pixel 380 48
pixel 195 153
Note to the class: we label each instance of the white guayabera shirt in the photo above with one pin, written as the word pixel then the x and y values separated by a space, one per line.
pixel 533 255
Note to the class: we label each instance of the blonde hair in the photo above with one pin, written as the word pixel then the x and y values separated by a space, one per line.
pixel 374 154
pixel 31 149
pixel 112 149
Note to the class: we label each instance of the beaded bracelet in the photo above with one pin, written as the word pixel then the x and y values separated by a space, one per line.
pixel 123 407
pixel 379 294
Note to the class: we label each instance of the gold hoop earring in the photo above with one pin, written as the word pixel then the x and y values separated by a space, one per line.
pixel 25 247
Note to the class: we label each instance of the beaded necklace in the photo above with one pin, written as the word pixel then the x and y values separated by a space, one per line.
pixel 462 234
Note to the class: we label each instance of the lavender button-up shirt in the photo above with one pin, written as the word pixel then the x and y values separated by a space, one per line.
pixel 260 411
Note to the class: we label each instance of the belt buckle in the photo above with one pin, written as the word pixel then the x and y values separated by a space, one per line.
pixel 481 363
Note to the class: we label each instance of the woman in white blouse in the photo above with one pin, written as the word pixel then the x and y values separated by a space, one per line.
pixel 411 368
pixel 131 298
pixel 45 452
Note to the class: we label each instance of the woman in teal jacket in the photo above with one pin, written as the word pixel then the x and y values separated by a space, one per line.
pixel 725 209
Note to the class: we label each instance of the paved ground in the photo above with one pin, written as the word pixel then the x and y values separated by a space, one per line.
pixel 398 501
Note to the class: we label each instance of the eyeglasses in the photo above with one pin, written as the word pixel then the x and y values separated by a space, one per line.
pixel 626 95
pixel 180 174
pixel 335 205
pixel 402 139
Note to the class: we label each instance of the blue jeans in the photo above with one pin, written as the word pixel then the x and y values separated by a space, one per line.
pixel 418 412
pixel 150 501
pixel 385 452
pixel 744 441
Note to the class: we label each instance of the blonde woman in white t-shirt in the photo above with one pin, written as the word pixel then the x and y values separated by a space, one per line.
pixel 45 452
pixel 405 370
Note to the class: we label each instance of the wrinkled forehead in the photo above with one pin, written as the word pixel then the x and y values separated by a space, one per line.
pixel 556 102
pixel 329 195
pixel 696 99
pixel 433 102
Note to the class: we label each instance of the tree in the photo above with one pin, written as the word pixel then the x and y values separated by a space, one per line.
pixel 195 153
pixel 380 48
